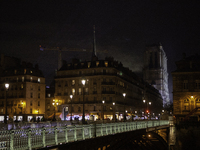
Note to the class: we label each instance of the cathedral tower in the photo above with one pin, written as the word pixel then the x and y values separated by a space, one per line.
pixel 155 70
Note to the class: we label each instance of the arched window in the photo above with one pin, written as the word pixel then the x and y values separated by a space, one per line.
pixel 198 102
pixel 186 105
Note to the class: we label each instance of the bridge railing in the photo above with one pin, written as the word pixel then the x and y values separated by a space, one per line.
pixel 48 136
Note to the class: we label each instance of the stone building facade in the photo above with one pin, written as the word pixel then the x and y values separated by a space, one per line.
pixel 155 70
pixel 26 93
pixel 106 80
pixel 186 87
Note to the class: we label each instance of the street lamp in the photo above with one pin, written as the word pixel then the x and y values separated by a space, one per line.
pixel 114 115
pixel 5 117
pixel 83 117
pixel 71 96
pixel 124 94
pixel 103 110
pixel 146 107
pixel 149 110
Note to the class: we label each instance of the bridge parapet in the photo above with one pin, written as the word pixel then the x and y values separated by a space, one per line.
pixel 42 137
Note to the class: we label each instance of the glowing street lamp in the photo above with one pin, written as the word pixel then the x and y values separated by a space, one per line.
pixel 83 117
pixel 71 96
pixel 103 110
pixel 5 117
pixel 124 95
pixel 114 115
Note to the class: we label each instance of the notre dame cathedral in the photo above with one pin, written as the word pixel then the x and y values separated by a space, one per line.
pixel 155 70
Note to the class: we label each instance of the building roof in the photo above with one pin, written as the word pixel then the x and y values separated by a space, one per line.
pixel 188 64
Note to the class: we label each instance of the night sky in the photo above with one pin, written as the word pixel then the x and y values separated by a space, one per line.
pixel 123 28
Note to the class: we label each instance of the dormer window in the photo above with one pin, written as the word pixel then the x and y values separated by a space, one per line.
pixel 38 80
pixel 73 82
pixel 97 63
pixel 106 63
pixel 89 64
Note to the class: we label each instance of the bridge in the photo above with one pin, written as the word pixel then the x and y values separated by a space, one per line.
pixel 67 136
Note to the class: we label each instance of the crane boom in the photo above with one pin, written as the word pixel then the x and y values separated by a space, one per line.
pixel 59 49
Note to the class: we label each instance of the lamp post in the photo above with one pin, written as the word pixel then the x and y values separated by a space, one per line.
pixel 71 96
pixel 124 94
pixel 5 117
pixel 149 104
pixel 114 112
pixel 103 110
pixel 146 107
pixel 144 101
pixel 83 117
pixel 54 115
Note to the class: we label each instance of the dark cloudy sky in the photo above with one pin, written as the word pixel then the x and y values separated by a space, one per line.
pixel 122 27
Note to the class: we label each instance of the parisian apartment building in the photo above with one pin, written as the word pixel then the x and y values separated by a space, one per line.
pixel 102 94
pixel 25 97
pixel 186 88
pixel 110 91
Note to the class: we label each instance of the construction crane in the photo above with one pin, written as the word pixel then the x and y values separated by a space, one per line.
pixel 59 49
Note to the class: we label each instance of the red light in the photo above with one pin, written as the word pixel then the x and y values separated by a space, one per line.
pixel 147 111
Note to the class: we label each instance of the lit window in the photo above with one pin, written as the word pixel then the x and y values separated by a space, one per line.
pixel 22 79
pixel 24 71
pixel 17 79
pixel 97 63
pixel 38 80
pixel 73 91
pixel 2 110
pixel 106 63
pixel 31 78
pixel 89 64
pixel 79 91
pixel 73 82
pixel 22 86
pixel 86 90
pixel 49 95
pixel 31 71
pixel 15 71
